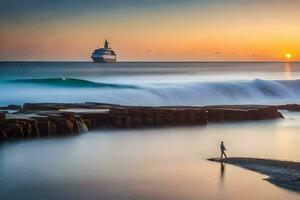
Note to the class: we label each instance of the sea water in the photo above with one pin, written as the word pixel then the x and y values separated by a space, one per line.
pixel 150 83
pixel 157 163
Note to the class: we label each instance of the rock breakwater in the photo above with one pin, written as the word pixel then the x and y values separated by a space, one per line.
pixel 55 119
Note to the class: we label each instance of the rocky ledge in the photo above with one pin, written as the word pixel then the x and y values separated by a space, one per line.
pixel 58 119
pixel 285 174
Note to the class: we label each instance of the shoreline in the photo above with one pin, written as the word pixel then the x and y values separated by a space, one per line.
pixel 34 120
pixel 285 174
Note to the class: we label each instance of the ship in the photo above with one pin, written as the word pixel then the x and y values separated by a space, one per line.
pixel 104 55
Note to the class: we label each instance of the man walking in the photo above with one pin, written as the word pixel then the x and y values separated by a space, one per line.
pixel 223 149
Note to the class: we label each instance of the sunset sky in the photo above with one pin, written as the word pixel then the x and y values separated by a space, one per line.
pixel 151 30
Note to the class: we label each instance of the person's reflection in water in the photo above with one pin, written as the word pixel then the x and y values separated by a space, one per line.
pixel 222 172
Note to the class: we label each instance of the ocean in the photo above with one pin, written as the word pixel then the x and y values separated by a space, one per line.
pixel 155 163
pixel 153 84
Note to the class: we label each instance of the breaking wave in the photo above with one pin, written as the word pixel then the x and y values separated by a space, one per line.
pixel 255 91
pixel 231 92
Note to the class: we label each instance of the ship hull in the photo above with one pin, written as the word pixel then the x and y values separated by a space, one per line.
pixel 103 60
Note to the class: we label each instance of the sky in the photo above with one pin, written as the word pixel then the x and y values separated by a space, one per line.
pixel 151 30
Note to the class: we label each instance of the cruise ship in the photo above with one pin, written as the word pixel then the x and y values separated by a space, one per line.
pixel 104 55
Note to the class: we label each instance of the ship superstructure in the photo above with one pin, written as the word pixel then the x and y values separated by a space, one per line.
pixel 105 54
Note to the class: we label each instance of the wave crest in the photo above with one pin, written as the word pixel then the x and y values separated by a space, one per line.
pixel 70 82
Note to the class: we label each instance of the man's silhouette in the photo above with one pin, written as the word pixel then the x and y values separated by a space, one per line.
pixel 223 149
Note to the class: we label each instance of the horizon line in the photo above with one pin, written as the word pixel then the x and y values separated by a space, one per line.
pixel 162 61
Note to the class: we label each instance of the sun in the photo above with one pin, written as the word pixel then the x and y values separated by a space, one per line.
pixel 288 55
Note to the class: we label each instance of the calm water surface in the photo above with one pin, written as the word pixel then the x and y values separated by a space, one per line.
pixel 167 163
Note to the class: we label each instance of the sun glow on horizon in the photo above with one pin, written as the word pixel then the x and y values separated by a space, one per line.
pixel 288 56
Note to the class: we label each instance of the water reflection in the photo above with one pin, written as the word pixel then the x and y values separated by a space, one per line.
pixel 166 164
pixel 222 172
pixel 287 70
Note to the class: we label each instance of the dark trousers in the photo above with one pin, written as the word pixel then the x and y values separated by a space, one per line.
pixel 223 153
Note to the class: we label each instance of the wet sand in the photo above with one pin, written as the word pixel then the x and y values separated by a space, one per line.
pixel 285 174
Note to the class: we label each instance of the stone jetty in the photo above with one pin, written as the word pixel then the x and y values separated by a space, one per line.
pixel 285 174
pixel 61 119
pixel 290 107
